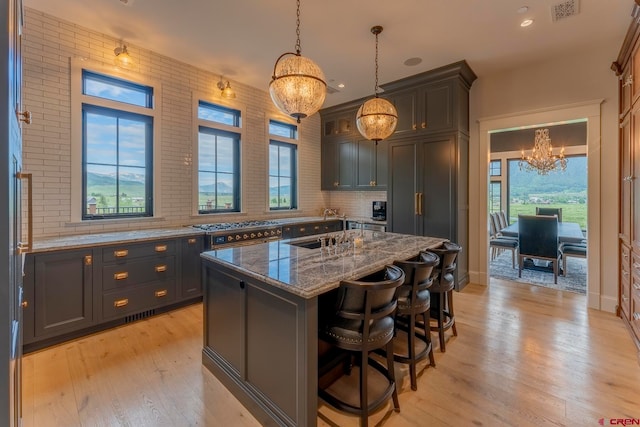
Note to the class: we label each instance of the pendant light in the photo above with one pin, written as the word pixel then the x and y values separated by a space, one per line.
pixel 376 118
pixel 297 86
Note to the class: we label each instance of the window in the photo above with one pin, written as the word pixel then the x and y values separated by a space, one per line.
pixel 495 168
pixel 282 167
pixel 117 149
pixel 218 159
pixel 495 195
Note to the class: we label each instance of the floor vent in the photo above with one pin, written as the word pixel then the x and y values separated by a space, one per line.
pixel 139 316
pixel 565 9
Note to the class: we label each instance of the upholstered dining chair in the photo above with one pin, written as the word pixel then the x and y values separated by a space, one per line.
pixel 550 211
pixel 538 239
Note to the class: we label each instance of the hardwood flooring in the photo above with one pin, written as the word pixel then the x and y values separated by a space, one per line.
pixel 524 356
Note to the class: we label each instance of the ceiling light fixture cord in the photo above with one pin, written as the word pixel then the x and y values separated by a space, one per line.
pixel 375 89
pixel 298 47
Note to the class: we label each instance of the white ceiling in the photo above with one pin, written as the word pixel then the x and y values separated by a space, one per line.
pixel 241 39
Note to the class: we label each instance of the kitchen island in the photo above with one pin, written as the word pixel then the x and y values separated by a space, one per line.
pixel 261 307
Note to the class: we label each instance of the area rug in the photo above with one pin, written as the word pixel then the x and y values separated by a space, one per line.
pixel 575 280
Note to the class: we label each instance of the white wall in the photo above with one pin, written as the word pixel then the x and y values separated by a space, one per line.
pixel 576 77
pixel 49 46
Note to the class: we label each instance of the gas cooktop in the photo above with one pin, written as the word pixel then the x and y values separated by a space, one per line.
pixel 225 226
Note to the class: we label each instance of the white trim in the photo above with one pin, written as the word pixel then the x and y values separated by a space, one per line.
pixel 78 98
pixel 591 110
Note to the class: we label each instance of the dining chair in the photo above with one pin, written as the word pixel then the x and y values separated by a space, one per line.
pixel 538 239
pixel 550 211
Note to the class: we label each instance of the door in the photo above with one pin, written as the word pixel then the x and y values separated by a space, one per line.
pixel 402 210
pixel 438 189
pixel 11 264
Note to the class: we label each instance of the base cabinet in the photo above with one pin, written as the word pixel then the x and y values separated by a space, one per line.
pixel 261 343
pixel 70 293
pixel 58 294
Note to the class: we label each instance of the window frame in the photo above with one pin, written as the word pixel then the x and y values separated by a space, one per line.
pixel 78 99
pixel 236 129
pixel 293 142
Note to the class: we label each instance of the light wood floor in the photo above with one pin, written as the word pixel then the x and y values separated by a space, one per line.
pixel 525 356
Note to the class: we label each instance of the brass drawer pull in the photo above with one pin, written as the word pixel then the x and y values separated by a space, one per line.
pixel 121 302
pixel 88 260
pixel 161 268
pixel 25 304
pixel 121 253
pixel 162 293
pixel 161 248
pixel 121 276
pixel 191 241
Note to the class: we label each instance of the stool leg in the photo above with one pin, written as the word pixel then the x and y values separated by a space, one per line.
pixel 412 352
pixel 451 315
pixel 427 336
pixel 441 297
pixel 364 398
pixel 392 375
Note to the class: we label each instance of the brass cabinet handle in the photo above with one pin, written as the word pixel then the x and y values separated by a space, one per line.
pixel 120 253
pixel 26 247
pixel 424 125
pixel 161 268
pixel 161 248
pixel 302 229
pixel 336 183
pixel 421 199
pixel 415 203
pixel 374 183
pixel 628 81
pixel 88 260
pixel 24 116
pixel 160 294
pixel 191 241
pixel 24 304
pixel 121 276
pixel 414 126
pixel 121 302
pixel 625 298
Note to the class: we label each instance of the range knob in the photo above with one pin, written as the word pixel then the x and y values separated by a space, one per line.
pixel 273 233
pixel 238 237
pixel 279 231
pixel 229 238
pixel 259 234
pixel 253 235
pixel 245 236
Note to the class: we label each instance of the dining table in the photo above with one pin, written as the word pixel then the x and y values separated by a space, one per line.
pixel 569 232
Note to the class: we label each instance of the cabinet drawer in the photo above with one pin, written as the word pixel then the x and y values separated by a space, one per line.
pixel 131 273
pixel 127 301
pixel 635 314
pixel 127 251
pixel 635 264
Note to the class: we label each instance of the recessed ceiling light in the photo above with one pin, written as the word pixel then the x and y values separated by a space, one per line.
pixel 412 61
pixel 523 9
pixel 526 22
pixel 341 85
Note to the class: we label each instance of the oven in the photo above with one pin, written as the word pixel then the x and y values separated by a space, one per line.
pixel 230 234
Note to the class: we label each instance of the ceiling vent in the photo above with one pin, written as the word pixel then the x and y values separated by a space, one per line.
pixel 565 9
pixel 331 90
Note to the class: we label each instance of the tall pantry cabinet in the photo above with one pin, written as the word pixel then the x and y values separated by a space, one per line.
pixel 627 68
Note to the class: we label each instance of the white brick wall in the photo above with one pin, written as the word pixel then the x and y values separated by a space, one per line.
pixel 50 44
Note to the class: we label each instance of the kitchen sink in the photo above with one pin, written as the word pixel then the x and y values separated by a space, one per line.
pixel 310 244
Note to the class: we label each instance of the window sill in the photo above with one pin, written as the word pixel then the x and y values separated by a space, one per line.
pixel 102 221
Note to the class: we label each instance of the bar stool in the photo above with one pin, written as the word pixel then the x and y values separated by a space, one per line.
pixel 442 291
pixel 414 301
pixel 363 321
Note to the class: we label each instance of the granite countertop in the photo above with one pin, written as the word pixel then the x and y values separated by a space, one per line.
pixel 311 272
pixel 98 239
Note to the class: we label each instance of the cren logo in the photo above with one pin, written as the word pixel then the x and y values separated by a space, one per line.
pixel 601 421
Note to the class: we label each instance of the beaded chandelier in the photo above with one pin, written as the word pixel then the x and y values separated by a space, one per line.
pixel 542 159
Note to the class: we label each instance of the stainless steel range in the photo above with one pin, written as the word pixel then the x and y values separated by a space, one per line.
pixel 226 234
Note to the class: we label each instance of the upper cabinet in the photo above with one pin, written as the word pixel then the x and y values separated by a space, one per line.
pixel 428 104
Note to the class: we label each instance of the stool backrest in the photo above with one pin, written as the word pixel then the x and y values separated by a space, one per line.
pixel 417 274
pixel 443 273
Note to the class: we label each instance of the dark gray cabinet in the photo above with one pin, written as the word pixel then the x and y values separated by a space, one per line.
pixel 58 294
pixel 427 108
pixel 256 343
pixel 337 171
pixel 302 229
pixel 70 293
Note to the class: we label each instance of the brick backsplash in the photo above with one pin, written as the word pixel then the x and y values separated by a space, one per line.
pixel 49 45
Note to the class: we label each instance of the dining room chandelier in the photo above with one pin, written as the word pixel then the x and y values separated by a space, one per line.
pixel 297 86
pixel 376 118
pixel 542 159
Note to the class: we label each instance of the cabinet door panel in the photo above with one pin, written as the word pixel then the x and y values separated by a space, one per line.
pixel 365 163
pixel 405 103
pixel 190 277
pixel 634 181
pixel 382 165
pixel 438 214
pixel 403 190
pixel 328 173
pixel 437 113
pixel 63 292
pixel 225 323
pixel 346 161
pixel 625 183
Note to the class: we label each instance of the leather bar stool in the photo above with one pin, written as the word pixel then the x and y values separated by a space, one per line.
pixel 413 302
pixel 442 291
pixel 363 321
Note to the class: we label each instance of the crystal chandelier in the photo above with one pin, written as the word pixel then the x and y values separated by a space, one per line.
pixel 376 118
pixel 297 86
pixel 542 159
